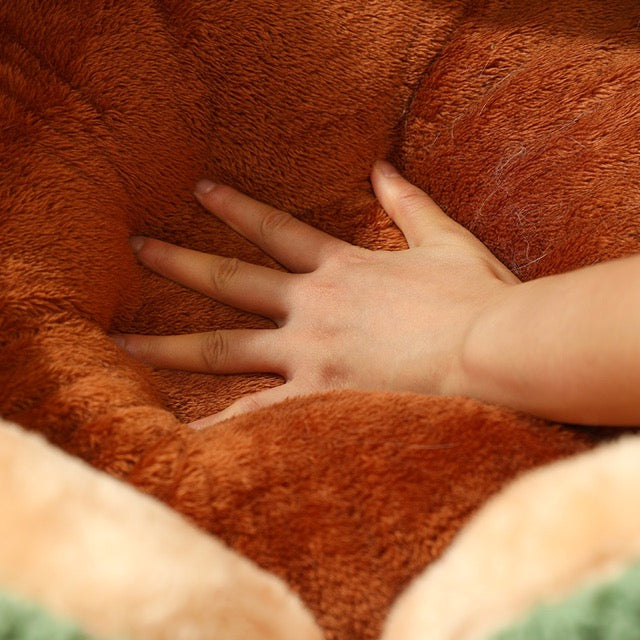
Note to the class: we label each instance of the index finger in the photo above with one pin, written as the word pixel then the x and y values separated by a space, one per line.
pixel 294 244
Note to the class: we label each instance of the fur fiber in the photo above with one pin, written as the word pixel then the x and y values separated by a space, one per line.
pixel 519 116
pixel 91 550
pixel 544 538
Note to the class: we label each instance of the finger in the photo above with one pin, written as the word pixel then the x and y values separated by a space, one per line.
pixel 224 351
pixel 415 213
pixel 248 403
pixel 242 285
pixel 294 244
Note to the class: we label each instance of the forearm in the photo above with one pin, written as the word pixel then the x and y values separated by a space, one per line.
pixel 565 347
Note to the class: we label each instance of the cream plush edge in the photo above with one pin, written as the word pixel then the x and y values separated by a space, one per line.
pixel 93 550
pixel 555 529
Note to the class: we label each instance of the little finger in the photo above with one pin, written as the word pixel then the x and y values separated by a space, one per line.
pixel 248 403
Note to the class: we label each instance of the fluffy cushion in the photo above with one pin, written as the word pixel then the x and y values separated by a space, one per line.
pixel 563 536
pixel 86 548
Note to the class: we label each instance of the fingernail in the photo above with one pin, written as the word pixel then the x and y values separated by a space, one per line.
pixel 118 339
pixel 387 169
pixel 203 187
pixel 136 242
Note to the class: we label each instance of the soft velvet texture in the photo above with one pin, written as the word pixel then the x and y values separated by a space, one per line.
pixel 520 117
pixel 546 536
pixel 21 620
pixel 92 550
pixel 608 611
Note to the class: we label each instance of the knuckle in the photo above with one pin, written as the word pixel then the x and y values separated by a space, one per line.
pixel 454 234
pixel 315 294
pixel 412 201
pixel 272 222
pixel 345 256
pixel 223 272
pixel 215 349
pixel 354 256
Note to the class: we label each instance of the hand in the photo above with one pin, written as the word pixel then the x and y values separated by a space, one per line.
pixel 346 317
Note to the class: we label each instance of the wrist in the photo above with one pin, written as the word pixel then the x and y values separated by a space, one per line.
pixel 482 371
pixel 563 347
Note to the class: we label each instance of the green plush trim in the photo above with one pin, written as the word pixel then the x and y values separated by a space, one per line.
pixel 20 620
pixel 606 611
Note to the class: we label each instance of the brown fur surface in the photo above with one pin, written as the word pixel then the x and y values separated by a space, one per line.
pixel 92 550
pixel 550 533
pixel 520 118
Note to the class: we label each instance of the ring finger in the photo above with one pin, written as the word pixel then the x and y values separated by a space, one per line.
pixel 223 351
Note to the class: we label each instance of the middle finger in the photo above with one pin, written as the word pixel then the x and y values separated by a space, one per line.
pixel 239 284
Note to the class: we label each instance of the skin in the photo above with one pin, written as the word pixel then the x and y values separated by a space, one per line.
pixel 442 317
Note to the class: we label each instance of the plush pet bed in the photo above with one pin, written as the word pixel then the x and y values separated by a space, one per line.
pixel 84 557
pixel 554 555
pixel 519 118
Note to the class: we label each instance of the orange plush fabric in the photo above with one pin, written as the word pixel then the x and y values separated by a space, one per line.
pixel 520 117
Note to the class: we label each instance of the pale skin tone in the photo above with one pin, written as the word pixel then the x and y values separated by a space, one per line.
pixel 442 317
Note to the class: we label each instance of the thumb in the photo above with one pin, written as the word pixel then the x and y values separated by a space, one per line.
pixel 416 214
